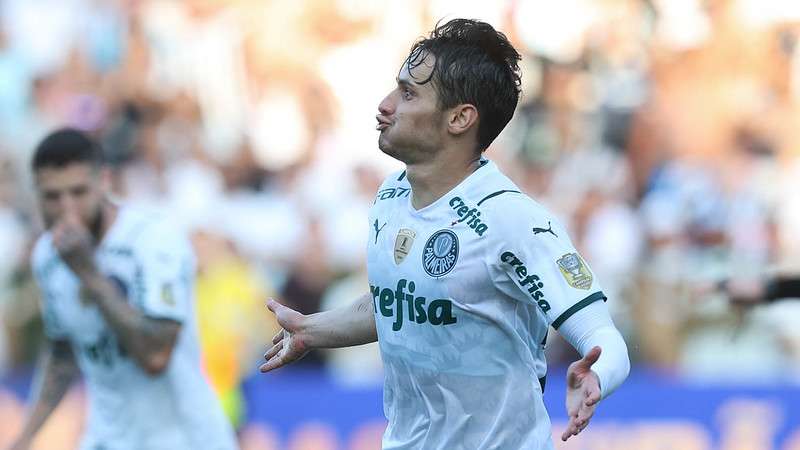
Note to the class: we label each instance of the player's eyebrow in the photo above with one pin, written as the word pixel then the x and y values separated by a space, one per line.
pixel 403 82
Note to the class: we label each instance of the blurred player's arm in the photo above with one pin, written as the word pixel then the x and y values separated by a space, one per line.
pixel 149 341
pixel 57 372
pixel 603 368
pixel 342 327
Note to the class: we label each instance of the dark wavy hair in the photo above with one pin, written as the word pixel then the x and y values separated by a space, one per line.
pixel 475 64
pixel 65 146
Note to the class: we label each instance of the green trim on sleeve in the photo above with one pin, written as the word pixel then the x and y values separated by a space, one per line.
pixel 578 306
pixel 495 194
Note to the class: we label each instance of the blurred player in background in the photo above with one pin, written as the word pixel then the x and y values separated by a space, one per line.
pixel 117 302
pixel 466 273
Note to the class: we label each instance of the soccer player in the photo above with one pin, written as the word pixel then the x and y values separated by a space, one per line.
pixel 117 293
pixel 466 273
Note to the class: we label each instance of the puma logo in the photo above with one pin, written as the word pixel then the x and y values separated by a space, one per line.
pixel 377 230
pixel 538 230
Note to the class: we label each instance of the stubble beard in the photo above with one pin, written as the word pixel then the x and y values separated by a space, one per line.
pixel 95 225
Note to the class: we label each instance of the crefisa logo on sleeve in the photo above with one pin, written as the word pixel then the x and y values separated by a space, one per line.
pixel 440 253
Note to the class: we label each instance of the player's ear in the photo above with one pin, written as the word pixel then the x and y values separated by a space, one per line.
pixel 461 118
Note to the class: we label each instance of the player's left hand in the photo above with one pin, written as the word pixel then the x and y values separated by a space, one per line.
pixel 74 244
pixel 583 393
pixel 291 343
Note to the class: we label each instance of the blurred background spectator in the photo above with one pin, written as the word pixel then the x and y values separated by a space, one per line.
pixel 665 134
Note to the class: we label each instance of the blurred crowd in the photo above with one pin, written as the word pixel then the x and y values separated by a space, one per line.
pixel 664 134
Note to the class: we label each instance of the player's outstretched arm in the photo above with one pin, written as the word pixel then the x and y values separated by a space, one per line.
pixel 341 327
pixel 57 373
pixel 601 370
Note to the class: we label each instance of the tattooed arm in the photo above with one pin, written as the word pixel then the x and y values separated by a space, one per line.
pixel 57 373
pixel 147 340
pixel 341 327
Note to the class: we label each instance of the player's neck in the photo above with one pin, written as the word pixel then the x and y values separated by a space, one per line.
pixel 433 179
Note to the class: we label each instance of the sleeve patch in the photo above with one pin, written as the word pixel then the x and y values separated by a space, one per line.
pixel 575 271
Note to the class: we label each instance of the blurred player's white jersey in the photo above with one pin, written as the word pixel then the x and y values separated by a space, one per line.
pixel 154 266
pixel 464 290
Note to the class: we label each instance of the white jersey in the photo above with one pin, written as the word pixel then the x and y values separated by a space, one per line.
pixel 153 265
pixel 464 292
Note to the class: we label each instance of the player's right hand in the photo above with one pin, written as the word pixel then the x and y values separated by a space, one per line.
pixel 74 244
pixel 291 343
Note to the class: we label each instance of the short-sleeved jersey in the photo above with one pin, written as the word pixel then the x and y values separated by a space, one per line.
pixel 153 265
pixel 464 292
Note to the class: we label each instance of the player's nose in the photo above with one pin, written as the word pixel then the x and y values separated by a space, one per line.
pixel 386 106
pixel 68 206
